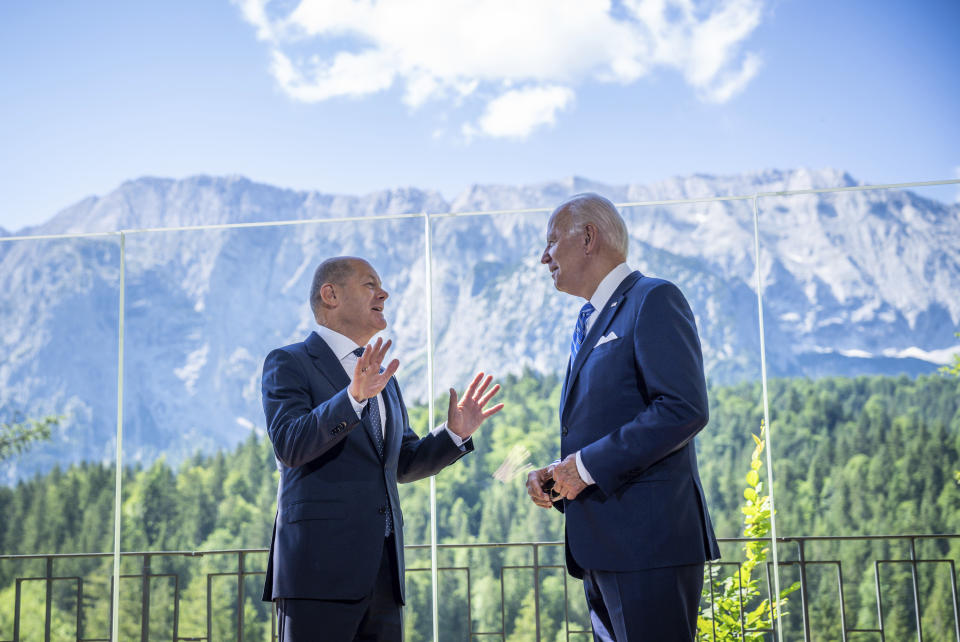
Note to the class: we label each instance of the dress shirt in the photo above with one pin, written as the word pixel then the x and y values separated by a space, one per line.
pixel 601 295
pixel 343 348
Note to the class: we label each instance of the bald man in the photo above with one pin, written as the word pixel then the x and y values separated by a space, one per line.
pixel 637 528
pixel 343 441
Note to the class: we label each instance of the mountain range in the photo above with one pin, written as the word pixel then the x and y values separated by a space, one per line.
pixel 854 282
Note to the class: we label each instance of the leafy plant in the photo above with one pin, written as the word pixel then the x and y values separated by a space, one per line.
pixel 954 368
pixel 16 436
pixel 733 608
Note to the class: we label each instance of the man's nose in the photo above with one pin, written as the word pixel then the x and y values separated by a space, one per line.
pixel 545 257
pixel 383 294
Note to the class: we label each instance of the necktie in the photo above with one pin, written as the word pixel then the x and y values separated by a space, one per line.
pixel 373 411
pixel 580 330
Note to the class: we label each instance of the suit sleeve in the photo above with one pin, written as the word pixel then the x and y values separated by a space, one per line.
pixel 669 364
pixel 299 431
pixel 420 458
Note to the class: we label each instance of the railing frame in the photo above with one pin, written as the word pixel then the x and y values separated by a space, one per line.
pixel 243 571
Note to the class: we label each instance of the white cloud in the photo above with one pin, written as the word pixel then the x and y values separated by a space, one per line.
pixel 956 173
pixel 526 55
pixel 518 112
pixel 347 75
pixel 730 83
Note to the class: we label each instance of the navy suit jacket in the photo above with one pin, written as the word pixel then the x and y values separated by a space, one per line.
pixel 332 500
pixel 632 406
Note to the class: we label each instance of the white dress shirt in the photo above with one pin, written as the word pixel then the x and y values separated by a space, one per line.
pixel 601 295
pixel 343 348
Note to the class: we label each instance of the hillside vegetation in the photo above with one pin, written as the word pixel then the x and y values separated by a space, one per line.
pixel 870 455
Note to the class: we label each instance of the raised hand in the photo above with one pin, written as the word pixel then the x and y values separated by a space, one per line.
pixel 466 415
pixel 368 381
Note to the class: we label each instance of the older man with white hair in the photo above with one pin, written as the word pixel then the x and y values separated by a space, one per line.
pixel 637 528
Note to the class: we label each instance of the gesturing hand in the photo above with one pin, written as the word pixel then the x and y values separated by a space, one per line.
pixel 368 381
pixel 465 417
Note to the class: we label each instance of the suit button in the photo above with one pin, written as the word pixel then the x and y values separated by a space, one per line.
pixel 382 510
pixel 563 431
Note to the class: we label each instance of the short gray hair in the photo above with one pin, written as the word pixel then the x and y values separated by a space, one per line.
pixel 334 270
pixel 593 208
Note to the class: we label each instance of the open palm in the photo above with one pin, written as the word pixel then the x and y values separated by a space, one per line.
pixel 465 415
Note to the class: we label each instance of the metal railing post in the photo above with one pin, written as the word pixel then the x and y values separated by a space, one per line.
pixel 804 592
pixel 16 613
pixel 48 607
pixel 145 599
pixel 536 587
pixel 916 588
pixel 240 597
pixel 876 577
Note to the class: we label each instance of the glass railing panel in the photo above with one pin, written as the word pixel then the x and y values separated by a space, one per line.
pixel 707 250
pixel 59 305
pixel 498 310
pixel 489 302
pixel 204 308
pixel 861 312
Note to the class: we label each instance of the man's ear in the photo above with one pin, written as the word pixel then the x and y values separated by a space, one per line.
pixel 328 295
pixel 589 237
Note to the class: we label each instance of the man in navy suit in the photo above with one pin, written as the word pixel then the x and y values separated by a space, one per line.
pixel 637 528
pixel 342 440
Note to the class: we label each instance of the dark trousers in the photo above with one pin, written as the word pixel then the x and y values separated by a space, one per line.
pixel 656 605
pixel 375 618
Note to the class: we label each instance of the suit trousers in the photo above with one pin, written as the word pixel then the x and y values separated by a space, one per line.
pixel 655 605
pixel 375 618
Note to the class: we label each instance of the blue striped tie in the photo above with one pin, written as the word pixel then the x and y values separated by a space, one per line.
pixel 580 330
pixel 373 411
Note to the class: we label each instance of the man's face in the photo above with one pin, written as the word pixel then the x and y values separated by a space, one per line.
pixel 361 298
pixel 564 255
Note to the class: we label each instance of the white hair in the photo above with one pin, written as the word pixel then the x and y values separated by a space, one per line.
pixel 593 208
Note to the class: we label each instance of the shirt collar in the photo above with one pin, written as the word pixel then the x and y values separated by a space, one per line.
pixel 608 285
pixel 338 343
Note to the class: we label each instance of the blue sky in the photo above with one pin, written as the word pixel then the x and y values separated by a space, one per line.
pixel 350 98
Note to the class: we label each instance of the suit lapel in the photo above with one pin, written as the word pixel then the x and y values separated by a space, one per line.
pixel 331 368
pixel 598 329
pixel 326 362
pixel 563 390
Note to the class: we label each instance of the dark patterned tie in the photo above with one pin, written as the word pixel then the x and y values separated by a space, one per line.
pixel 373 411
pixel 581 330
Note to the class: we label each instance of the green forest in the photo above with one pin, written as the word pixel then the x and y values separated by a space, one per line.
pixel 862 456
